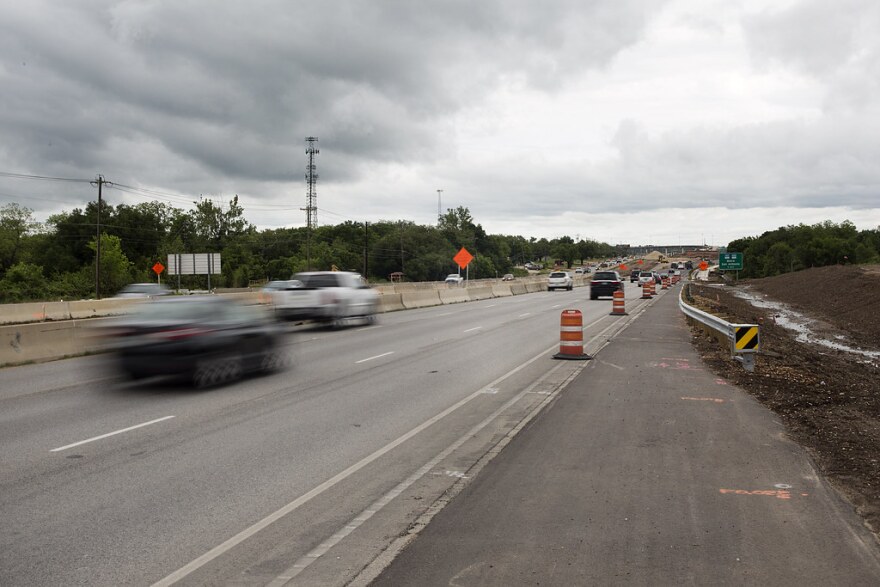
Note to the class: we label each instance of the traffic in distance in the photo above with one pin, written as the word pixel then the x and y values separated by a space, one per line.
pixel 210 341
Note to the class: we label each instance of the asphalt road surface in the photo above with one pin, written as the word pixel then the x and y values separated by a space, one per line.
pixel 302 477
pixel 647 470
pixel 316 476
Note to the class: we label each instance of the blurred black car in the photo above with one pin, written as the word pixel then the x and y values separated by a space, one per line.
pixel 634 275
pixel 605 283
pixel 208 340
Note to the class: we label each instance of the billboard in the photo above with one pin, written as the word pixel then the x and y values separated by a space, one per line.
pixel 194 264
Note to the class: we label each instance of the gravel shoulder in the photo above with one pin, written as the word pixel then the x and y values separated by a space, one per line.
pixel 829 400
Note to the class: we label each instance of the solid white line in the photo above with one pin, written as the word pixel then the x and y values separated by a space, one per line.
pixel 490 306
pixel 524 315
pixel 472 329
pixel 342 475
pixel 110 434
pixel 376 506
pixel 376 357
pixel 371 327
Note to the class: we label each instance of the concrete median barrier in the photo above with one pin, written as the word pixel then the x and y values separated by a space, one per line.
pixel 518 289
pixel 480 293
pixel 501 290
pixel 95 308
pixel 43 341
pixel 536 287
pixel 391 302
pixel 33 312
pixel 420 299
pixel 454 295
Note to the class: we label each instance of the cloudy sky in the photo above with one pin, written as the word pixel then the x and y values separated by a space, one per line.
pixel 628 121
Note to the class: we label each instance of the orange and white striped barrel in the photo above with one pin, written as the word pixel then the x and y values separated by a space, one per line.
pixel 618 305
pixel 571 336
pixel 646 290
pixel 664 281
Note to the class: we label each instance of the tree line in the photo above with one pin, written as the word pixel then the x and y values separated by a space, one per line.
pixel 56 259
pixel 792 248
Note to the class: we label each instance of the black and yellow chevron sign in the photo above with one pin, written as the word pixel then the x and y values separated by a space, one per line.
pixel 746 338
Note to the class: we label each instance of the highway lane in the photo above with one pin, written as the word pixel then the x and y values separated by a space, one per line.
pixel 362 410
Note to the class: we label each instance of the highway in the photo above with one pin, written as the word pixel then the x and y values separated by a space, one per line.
pixel 301 477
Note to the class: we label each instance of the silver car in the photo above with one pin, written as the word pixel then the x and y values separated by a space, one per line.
pixel 560 280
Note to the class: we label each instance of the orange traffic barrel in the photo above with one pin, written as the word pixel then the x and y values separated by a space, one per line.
pixel 664 283
pixel 653 288
pixel 618 305
pixel 646 290
pixel 571 336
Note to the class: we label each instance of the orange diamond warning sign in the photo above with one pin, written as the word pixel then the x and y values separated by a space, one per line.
pixel 158 268
pixel 463 258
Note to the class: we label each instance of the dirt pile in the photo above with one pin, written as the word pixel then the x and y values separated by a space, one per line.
pixel 847 296
pixel 829 400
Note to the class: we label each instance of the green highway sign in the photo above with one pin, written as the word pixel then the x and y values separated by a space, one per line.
pixel 730 261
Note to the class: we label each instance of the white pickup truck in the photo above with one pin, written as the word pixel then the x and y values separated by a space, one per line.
pixel 327 296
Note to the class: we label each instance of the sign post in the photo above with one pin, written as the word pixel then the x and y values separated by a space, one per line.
pixel 731 262
pixel 463 259
pixel 158 268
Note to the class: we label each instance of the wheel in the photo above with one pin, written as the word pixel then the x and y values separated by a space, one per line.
pixel 275 359
pixel 217 370
pixel 570 287
pixel 594 297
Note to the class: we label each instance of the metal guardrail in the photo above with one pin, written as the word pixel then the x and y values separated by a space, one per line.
pixel 731 331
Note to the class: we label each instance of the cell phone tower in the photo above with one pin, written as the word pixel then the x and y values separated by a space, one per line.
pixel 311 179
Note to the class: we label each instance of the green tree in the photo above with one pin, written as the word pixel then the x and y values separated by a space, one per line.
pixel 16 223
pixel 23 282
pixel 116 269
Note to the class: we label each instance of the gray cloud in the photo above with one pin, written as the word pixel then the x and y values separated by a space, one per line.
pixel 217 98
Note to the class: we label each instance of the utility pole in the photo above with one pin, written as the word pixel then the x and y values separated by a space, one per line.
pixel 100 183
pixel 439 207
pixel 366 246
pixel 311 208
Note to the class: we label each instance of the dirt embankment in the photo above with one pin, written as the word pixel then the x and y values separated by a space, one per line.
pixel 829 400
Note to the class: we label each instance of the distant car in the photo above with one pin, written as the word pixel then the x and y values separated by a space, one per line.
pixel 281 285
pixel 676 272
pixel 208 340
pixel 634 275
pixel 454 279
pixel 143 290
pixel 579 271
pixel 657 278
pixel 605 283
pixel 507 277
pixel 645 277
pixel 587 270
pixel 560 280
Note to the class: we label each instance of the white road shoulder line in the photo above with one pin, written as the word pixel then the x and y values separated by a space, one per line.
pixel 60 448
pixel 475 328
pixel 376 357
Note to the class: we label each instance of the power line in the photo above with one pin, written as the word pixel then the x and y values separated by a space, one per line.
pixel 42 177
